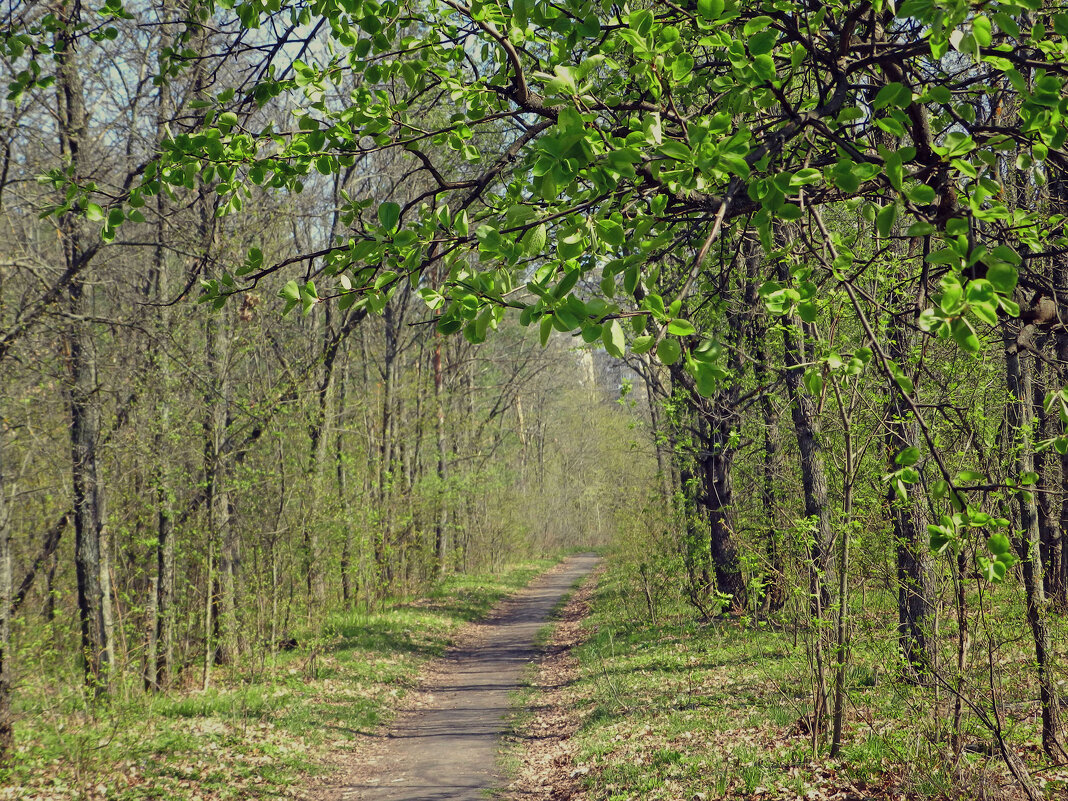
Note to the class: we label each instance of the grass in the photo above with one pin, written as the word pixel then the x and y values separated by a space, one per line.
pixel 687 709
pixel 257 732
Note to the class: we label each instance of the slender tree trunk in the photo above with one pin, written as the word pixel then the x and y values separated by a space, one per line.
pixel 209 608
pixel 313 558
pixel 772 478
pixel 217 479
pixel 817 510
pixel 386 468
pixel 7 732
pixel 159 660
pixel 441 526
pixel 1058 579
pixel 841 642
pixel 1020 421
pixel 348 596
pixel 1048 468
pixel 90 556
pixel 717 461
pixel 909 519
pixel 656 390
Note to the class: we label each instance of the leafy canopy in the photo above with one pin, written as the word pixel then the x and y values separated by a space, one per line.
pixel 552 147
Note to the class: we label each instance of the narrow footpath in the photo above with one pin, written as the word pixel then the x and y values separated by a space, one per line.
pixel 447 749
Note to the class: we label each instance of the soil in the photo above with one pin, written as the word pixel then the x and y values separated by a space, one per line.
pixel 444 746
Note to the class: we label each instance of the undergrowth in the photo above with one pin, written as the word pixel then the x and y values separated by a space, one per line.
pixel 721 709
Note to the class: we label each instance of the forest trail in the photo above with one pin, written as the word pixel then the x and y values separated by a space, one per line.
pixel 446 750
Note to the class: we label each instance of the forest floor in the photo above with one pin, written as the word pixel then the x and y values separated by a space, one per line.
pixel 264 730
pixel 621 708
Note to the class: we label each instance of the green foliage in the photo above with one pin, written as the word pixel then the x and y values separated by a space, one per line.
pixel 600 90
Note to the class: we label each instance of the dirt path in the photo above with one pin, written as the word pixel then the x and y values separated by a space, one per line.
pixel 545 748
pixel 446 750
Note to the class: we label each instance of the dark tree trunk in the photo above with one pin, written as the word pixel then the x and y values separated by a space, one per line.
pixel 1058 578
pixel 772 478
pixel 717 460
pixel 90 553
pixel 348 594
pixel 1048 468
pixel 441 525
pixel 909 518
pixel 808 431
pixel 1020 419
pixel 7 732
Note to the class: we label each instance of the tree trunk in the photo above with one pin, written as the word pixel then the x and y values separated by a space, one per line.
pixel 1058 579
pixel 224 541
pixel 1020 421
pixel 717 460
pixel 7 732
pixel 441 530
pixel 384 536
pixel 772 478
pixel 348 595
pixel 814 484
pixel 1047 489
pixel 313 558
pixel 909 518
pixel 90 556
pixel 159 659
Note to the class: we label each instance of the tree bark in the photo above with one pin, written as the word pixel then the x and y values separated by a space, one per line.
pixel 909 518
pixel 771 477
pixel 159 659
pixel 808 431
pixel 7 732
pixel 1020 421
pixel 441 525
pixel 90 555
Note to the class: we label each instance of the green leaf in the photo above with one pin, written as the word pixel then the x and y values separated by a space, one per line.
pixel 908 456
pixel 940 538
pixel 921 194
pixel 998 544
pixel 642 344
pixel 764 66
pixel 1003 276
pixel 674 149
pixel 681 328
pixel 389 215
pixel 885 219
pixel 895 94
pixel 291 291
pixel 813 381
pixel 965 335
pixel 952 296
pixel 669 350
pixel 711 10
pixel 612 336
pixel 94 213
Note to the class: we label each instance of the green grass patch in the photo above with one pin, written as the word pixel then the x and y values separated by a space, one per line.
pixel 721 710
